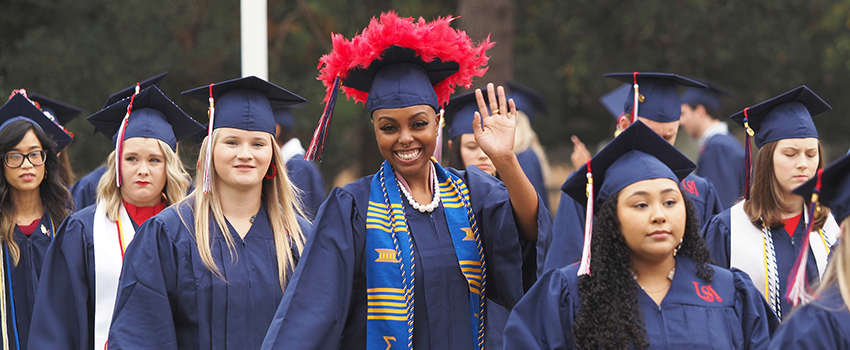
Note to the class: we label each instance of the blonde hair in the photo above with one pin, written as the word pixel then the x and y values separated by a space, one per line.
pixel 838 270
pixel 282 201
pixel 526 138
pixel 176 182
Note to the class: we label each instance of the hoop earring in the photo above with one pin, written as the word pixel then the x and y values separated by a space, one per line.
pixel 274 173
pixel 676 251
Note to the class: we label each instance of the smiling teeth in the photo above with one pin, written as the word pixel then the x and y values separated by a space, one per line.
pixel 408 155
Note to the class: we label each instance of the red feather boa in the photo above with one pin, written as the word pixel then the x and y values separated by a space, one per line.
pixel 430 40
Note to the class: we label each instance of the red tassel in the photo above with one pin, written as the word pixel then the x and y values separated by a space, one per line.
pixel 584 268
pixel 119 142
pixel 317 143
pixel 748 155
pixel 799 292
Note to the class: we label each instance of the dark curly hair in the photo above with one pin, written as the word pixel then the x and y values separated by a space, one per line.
pixel 610 316
pixel 54 195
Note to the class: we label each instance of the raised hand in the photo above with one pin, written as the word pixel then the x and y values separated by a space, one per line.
pixel 496 136
pixel 580 154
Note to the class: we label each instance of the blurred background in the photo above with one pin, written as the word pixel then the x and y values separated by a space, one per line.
pixel 79 52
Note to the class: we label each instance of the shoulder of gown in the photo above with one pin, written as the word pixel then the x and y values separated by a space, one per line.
pixel 543 318
pixel 567 238
pixel 65 320
pixel 84 191
pixel 822 324
pixel 717 234
pixel 704 196
pixel 307 177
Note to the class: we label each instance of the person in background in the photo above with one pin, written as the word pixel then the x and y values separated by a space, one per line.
pixel 210 270
pixel 79 281
pixel 84 190
pixel 33 202
pixel 62 114
pixel 721 159
pixel 824 323
pixel 645 280
pixel 304 174
pixel 527 146
pixel 764 234
pixel 659 108
pixel 408 256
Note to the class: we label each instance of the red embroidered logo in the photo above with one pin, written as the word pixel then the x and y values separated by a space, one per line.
pixel 706 293
pixel 691 187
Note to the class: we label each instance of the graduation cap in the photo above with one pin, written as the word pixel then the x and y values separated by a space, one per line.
pixel 148 114
pixel 62 112
pixel 130 90
pixel 637 154
pixel 283 116
pixel 245 103
pixel 709 98
pixel 613 100
pixel 461 111
pixel 787 116
pixel 397 62
pixel 829 187
pixel 20 108
pixel 655 95
pixel 527 100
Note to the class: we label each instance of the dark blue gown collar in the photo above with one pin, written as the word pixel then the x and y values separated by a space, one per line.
pixel 261 228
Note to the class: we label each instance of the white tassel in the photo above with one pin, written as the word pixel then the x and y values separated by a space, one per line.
pixel 584 268
pixel 208 155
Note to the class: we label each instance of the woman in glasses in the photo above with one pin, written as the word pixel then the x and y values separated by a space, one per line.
pixel 33 200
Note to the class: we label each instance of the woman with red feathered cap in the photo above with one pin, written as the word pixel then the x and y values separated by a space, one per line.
pixel 404 258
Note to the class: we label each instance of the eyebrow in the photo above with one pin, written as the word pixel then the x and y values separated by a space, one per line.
pixel 393 119
pixel 644 193
pixel 33 147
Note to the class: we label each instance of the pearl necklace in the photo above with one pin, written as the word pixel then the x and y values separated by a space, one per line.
pixel 423 208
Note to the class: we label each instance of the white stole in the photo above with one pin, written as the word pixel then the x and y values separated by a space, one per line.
pixel 747 245
pixel 107 267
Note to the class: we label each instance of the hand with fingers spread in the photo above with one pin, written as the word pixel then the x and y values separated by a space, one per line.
pixel 494 131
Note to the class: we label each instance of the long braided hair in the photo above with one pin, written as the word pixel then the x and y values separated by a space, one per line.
pixel 610 316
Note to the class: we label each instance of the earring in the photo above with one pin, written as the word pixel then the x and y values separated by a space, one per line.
pixel 675 251
pixel 274 172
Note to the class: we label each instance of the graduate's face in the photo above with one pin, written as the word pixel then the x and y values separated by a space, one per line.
pixel 667 130
pixel 795 161
pixel 652 218
pixel 241 158
pixel 407 137
pixel 689 120
pixel 473 155
pixel 142 171
pixel 27 177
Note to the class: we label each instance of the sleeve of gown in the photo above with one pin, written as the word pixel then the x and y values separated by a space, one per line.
pixel 716 233
pixel 500 237
pixel 810 328
pixel 567 235
pixel 63 312
pixel 543 318
pixel 713 204
pixel 143 317
pixel 307 177
pixel 758 321
pixel 716 167
pixel 314 308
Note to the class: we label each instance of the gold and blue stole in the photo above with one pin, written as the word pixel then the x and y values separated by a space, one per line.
pixel 390 266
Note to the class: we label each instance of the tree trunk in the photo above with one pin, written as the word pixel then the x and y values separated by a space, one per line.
pixel 496 18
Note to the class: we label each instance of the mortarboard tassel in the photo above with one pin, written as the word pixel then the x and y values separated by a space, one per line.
pixel 320 136
pixel 438 151
pixel 636 99
pixel 584 268
pixel 208 156
pixel 748 155
pixel 119 142
pixel 799 292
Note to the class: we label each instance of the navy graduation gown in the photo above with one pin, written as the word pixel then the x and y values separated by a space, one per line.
pixel 735 316
pixel 324 306
pixel 307 177
pixel 718 234
pixel 821 325
pixel 25 277
pixel 530 165
pixel 66 320
pixel 168 299
pixel 567 239
pixel 722 163
pixel 84 191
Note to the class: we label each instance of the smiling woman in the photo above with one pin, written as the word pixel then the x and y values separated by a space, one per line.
pixel 645 280
pixel 143 176
pixel 33 199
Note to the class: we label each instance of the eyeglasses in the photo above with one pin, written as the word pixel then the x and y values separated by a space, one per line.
pixel 16 160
